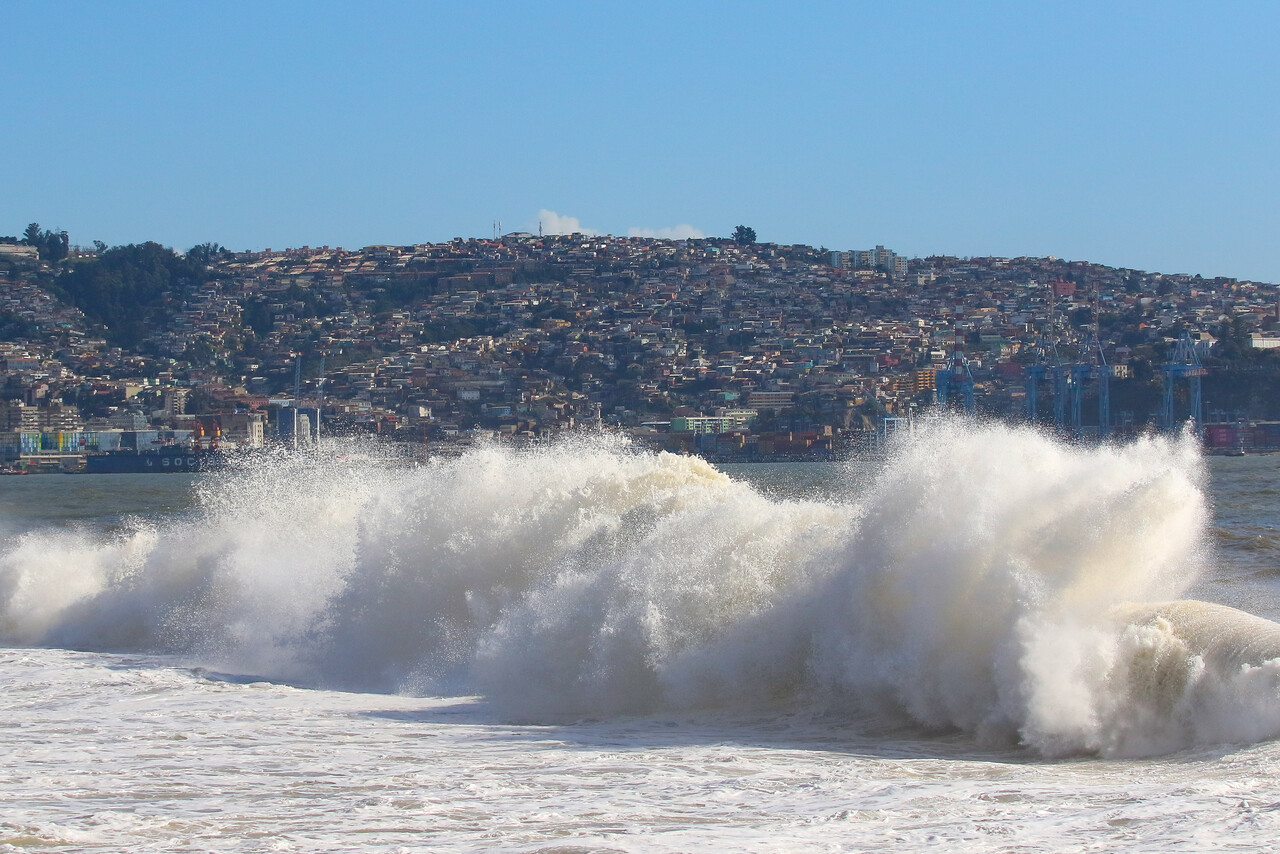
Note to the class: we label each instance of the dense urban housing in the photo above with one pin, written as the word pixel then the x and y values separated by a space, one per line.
pixel 730 349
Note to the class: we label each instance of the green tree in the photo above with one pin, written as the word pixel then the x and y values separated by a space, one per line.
pixel 57 246
pixel 13 326
pixel 204 253
pixel 1233 341
pixel 129 289
pixel 200 353
pixel 52 245
pixel 256 315
pixel 744 235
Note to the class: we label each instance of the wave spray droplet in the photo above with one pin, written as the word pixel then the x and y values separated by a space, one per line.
pixel 982 581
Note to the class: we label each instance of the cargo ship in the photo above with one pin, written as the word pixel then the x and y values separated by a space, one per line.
pixel 164 460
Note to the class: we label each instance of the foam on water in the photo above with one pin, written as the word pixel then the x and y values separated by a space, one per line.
pixel 973 584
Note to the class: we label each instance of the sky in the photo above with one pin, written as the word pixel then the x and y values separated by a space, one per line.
pixel 1142 135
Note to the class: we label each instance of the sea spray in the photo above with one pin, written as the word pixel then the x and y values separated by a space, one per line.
pixel 978 543
pixel 972 584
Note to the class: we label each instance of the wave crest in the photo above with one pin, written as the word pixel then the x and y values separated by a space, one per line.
pixel 972 584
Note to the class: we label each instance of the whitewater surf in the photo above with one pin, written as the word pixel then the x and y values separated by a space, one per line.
pixel 986 580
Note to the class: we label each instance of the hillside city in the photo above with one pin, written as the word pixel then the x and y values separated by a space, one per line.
pixel 734 349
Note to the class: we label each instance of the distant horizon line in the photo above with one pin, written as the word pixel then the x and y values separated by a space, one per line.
pixel 624 237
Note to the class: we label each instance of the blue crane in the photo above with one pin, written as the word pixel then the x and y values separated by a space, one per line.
pixel 1185 364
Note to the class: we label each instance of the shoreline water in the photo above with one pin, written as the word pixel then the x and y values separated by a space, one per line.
pixel 607 649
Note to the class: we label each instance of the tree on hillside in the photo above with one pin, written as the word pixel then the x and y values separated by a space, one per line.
pixel 1233 343
pixel 744 235
pixel 52 245
pixel 127 289
pixel 204 253
pixel 57 246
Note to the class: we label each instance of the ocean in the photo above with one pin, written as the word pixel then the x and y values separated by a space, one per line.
pixel 987 641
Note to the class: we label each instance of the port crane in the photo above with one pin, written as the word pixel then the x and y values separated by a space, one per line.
pixel 1184 364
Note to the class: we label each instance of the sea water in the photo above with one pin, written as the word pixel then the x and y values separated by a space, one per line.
pixel 989 640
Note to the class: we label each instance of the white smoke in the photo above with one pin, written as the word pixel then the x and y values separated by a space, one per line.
pixel 683 231
pixel 551 222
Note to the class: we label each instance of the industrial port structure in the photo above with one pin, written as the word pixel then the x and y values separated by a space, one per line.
pixel 1069 383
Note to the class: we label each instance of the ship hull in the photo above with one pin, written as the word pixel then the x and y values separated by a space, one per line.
pixel 153 462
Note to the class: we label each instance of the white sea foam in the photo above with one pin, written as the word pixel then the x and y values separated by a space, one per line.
pixel 973 585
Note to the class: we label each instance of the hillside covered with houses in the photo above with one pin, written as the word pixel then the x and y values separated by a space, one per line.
pixel 732 349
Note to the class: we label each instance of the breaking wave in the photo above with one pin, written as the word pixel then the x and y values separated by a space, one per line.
pixel 981 580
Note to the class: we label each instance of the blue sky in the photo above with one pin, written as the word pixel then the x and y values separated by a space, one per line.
pixel 1136 134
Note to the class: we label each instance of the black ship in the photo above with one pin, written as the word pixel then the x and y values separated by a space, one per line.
pixel 168 460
